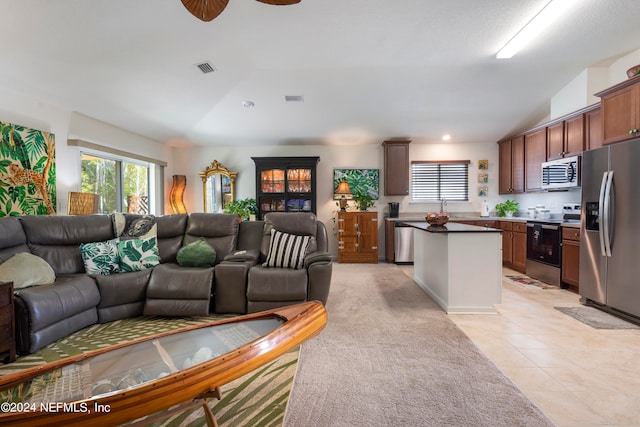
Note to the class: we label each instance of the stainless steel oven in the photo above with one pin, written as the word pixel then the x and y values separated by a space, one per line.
pixel 543 251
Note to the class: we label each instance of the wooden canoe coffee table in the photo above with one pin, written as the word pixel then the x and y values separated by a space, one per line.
pixel 177 369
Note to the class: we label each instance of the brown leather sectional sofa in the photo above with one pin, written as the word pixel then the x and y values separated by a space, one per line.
pixel 237 283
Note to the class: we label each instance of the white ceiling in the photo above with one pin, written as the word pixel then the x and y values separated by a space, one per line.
pixel 368 69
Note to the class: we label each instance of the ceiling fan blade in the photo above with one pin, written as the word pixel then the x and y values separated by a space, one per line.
pixel 205 10
pixel 279 2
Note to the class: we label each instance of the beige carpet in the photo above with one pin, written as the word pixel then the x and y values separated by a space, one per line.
pixel 389 356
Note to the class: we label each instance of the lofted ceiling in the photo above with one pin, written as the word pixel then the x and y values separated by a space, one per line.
pixel 367 70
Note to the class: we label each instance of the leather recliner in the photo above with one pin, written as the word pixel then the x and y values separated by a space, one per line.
pixel 269 287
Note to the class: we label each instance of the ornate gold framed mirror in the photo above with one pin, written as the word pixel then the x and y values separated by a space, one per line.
pixel 218 187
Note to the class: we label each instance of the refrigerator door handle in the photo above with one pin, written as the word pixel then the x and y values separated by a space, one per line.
pixel 607 208
pixel 602 212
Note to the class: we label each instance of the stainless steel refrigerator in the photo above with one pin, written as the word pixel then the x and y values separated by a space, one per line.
pixel 610 242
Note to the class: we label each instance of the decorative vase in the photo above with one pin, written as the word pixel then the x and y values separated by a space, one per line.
pixel 633 71
pixel 508 214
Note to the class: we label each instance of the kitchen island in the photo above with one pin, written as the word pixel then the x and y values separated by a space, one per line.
pixel 459 266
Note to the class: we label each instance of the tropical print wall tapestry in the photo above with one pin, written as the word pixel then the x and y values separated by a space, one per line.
pixel 27 171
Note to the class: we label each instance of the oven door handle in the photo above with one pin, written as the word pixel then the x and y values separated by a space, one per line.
pixel 602 213
pixel 545 226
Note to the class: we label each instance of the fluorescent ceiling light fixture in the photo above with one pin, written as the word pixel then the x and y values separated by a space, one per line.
pixel 546 16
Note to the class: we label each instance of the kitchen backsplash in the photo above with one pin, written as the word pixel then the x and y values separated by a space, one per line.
pixel 551 200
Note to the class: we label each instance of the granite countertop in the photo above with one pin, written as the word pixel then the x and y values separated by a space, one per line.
pixel 453 227
pixel 409 218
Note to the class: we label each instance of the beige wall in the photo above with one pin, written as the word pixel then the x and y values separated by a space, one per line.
pixel 189 161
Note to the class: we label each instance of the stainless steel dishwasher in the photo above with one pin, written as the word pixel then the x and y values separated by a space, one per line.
pixel 403 243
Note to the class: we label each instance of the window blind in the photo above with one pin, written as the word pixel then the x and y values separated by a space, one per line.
pixel 435 180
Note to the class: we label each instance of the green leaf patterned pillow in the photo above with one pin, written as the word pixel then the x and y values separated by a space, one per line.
pixel 138 254
pixel 101 257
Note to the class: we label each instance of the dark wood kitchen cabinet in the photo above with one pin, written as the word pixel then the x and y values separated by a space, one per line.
pixel 511 168
pixel 555 140
pixel 574 139
pixel 593 128
pixel 396 168
pixel 535 153
pixel 514 244
pixel 570 270
pixel 566 137
pixel 621 111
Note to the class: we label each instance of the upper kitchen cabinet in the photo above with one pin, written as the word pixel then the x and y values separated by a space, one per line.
pixel 593 128
pixel 555 140
pixel 396 167
pixel 621 111
pixel 285 184
pixel 573 135
pixel 535 144
pixel 566 138
pixel 511 159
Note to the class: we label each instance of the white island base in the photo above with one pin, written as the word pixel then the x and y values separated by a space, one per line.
pixel 460 267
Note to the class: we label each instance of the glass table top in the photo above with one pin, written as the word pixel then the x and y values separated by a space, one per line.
pixel 137 364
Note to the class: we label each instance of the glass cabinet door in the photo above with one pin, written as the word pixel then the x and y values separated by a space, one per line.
pixel 272 181
pixel 299 180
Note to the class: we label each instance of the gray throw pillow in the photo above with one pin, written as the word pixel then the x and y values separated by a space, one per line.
pixel 25 269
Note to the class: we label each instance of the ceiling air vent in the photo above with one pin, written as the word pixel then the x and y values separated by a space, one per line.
pixel 205 67
pixel 293 98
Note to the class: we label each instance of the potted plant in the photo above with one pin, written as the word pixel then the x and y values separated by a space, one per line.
pixel 244 208
pixel 507 208
pixel 363 201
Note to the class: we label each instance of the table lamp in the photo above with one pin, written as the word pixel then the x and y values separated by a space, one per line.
pixel 343 190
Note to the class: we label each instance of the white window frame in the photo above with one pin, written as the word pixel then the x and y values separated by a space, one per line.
pixel 435 180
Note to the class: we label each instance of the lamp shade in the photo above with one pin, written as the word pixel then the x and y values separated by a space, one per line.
pixel 83 203
pixel 343 188
pixel 176 194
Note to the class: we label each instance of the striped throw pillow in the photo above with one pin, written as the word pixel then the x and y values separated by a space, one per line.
pixel 286 250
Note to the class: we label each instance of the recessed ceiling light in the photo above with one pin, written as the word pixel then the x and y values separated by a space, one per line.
pixel 248 104
pixel 446 137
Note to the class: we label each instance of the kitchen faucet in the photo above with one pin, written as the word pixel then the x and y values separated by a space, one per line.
pixel 443 203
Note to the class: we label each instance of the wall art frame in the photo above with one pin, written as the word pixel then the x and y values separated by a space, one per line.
pixel 27 171
pixel 360 180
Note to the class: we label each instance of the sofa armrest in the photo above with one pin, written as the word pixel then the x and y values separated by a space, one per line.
pixel 315 257
pixel 230 287
pixel 249 255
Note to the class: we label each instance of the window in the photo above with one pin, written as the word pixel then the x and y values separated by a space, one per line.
pixel 123 184
pixel 437 180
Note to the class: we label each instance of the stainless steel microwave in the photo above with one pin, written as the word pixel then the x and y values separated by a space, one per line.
pixel 561 173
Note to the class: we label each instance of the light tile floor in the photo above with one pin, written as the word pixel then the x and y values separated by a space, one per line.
pixel 577 375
